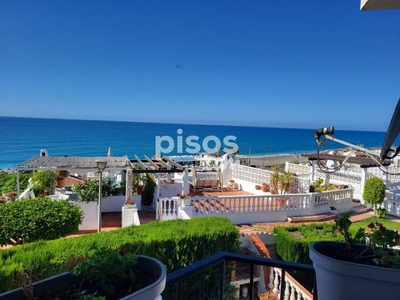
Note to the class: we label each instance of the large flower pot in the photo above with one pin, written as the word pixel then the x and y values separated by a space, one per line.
pixel 343 280
pixel 54 283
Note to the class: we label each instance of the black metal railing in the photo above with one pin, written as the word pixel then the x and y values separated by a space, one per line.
pixel 176 279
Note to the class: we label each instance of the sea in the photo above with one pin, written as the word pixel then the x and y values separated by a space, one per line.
pixel 23 138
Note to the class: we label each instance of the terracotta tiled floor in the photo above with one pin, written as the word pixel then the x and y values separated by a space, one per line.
pixel 113 219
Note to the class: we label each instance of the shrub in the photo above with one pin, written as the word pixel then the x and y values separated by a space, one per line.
pixel 88 192
pixel 8 182
pixel 149 187
pixel 374 191
pixel 43 181
pixel 29 220
pixel 177 243
pixel 292 243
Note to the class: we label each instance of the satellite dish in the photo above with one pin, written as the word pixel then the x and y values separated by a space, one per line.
pixel 391 135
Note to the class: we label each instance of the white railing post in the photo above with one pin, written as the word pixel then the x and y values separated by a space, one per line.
pixel 293 292
pixel 287 289
pixel 271 279
pixel 312 201
pixel 276 289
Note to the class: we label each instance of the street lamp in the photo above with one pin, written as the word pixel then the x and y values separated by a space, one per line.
pixel 101 165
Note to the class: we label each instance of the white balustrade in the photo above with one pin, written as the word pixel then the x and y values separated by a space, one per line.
pixel 392 203
pixel 293 289
pixel 168 208
pixel 341 199
pixel 245 209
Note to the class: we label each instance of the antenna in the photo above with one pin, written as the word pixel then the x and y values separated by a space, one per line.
pixel 391 135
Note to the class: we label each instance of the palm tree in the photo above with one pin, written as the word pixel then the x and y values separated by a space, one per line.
pixel 284 182
pixel 274 178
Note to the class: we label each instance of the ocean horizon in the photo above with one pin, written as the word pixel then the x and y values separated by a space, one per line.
pixel 22 138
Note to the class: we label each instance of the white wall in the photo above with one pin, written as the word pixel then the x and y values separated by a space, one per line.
pixel 112 203
pixel 170 189
pixel 90 215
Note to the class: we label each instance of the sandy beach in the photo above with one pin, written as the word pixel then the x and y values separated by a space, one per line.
pixel 270 160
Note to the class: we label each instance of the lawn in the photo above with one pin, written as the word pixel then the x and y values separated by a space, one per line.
pixel 387 223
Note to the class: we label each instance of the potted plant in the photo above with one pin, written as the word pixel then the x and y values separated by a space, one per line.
pixel 381 213
pixel 353 271
pixel 107 274
pixel 265 187
pixel 284 182
pixel 137 182
pixel 274 179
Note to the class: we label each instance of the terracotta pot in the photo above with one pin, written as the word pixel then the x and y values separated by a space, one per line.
pixel 258 187
pixel 265 187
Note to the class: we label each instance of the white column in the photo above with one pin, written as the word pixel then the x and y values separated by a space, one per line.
pixel 185 182
pixel 312 171
pixel 157 190
pixel 385 178
pixel 130 216
pixel 327 178
pixel 363 180
pixel 128 188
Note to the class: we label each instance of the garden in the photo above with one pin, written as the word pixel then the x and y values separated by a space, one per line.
pixel 176 243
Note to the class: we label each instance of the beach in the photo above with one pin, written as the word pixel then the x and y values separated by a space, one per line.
pixel 270 160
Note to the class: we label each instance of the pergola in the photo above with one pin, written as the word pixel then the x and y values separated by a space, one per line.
pixel 73 163
pixel 54 163
pixel 158 165
pixel 163 165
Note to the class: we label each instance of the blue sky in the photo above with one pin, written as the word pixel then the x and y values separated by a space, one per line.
pixel 301 64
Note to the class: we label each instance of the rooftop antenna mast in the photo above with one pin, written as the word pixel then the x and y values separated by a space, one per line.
pixel 329 131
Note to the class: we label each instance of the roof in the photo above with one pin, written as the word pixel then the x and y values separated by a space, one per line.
pixel 72 162
pixel 364 162
pixel 379 4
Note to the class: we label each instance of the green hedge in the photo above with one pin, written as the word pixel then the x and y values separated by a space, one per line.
pixel 176 243
pixel 293 242
pixel 29 220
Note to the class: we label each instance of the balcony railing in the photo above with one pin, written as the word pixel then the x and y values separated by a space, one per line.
pixel 176 287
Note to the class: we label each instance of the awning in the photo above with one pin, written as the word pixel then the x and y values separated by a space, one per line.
pixel 379 4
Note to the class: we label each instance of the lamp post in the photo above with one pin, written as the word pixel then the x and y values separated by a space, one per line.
pixel 101 165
